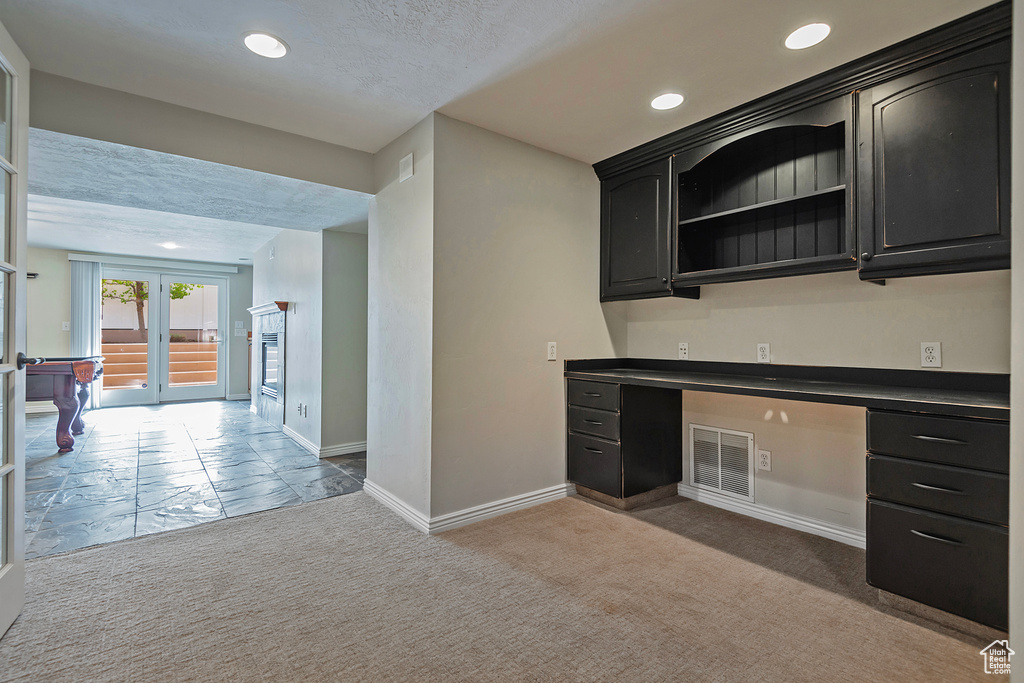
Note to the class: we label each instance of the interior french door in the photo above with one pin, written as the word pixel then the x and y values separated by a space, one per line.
pixel 130 344
pixel 193 314
pixel 14 72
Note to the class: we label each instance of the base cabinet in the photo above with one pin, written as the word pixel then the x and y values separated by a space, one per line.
pixel 623 440
pixel 938 512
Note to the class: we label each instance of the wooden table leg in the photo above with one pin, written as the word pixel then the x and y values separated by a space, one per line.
pixel 66 400
pixel 77 426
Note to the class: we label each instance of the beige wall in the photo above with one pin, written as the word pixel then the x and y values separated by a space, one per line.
pixel 295 274
pixel 344 339
pixel 76 108
pixel 1017 361
pixel 49 303
pixel 515 266
pixel 399 337
pixel 831 319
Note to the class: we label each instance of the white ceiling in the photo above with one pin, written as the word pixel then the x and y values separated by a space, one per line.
pixel 571 76
pixel 90 195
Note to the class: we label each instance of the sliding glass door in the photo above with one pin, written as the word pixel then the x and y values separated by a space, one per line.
pixel 130 345
pixel 194 318
pixel 163 337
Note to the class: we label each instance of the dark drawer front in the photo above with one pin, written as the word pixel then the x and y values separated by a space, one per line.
pixel 594 394
pixel 952 564
pixel 968 493
pixel 595 464
pixel 600 423
pixel 950 441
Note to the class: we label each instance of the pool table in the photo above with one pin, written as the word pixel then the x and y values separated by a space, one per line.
pixel 66 382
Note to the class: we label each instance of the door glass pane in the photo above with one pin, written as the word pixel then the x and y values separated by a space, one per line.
pixel 194 336
pixel 5 483
pixel 5 113
pixel 125 334
pixel 3 317
pixel 5 189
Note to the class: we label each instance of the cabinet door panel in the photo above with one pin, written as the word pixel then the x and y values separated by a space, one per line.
pixel 635 229
pixel 934 169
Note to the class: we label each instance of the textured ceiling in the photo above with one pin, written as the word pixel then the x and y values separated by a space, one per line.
pixel 74 225
pixel 572 76
pixel 94 171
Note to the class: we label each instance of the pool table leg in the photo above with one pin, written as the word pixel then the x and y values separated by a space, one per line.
pixel 66 400
pixel 77 426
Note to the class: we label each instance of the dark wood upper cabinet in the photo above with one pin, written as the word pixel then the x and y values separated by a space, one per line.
pixel 934 168
pixel 636 228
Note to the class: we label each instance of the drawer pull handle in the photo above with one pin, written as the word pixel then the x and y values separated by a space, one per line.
pixel 593 450
pixel 941 489
pixel 939 439
pixel 591 393
pixel 932 537
pixel 593 422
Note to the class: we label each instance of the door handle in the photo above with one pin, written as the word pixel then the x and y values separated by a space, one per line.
pixel 593 422
pixel 24 360
pixel 933 537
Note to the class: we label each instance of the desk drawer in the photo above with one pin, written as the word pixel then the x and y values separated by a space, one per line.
pixel 977 444
pixel 951 564
pixel 595 464
pixel 594 394
pixel 600 423
pixel 967 493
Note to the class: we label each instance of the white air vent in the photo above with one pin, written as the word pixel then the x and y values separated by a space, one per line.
pixel 722 460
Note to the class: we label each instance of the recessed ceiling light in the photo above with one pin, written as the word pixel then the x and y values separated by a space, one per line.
pixel 266 45
pixel 806 36
pixel 669 100
pixel 169 245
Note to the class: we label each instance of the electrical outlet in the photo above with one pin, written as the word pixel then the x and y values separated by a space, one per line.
pixel 764 353
pixel 552 351
pixel 684 351
pixel 764 460
pixel 300 409
pixel 273 253
pixel 931 354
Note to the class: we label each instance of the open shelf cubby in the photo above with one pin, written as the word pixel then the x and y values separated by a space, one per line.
pixel 775 197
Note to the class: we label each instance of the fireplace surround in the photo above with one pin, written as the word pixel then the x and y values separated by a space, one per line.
pixel 268 368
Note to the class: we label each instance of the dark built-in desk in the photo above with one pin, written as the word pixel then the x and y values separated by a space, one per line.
pixel 937 461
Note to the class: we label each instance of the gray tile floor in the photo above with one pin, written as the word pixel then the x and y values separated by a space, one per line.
pixel 144 469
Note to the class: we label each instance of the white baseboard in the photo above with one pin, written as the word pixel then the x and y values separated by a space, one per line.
pixel 396 505
pixel 39 408
pixel 342 449
pixel 238 397
pixel 452 520
pixel 789 520
pixel 459 518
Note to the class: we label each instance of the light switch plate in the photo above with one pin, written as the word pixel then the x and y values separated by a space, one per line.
pixel 239 323
pixel 239 333
pixel 65 326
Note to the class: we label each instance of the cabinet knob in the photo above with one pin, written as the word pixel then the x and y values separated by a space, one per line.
pixel 664 279
pixel 865 256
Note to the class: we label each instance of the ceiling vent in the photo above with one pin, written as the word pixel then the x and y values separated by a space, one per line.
pixel 722 460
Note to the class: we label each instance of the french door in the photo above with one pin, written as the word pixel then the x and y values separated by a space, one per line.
pixel 14 74
pixel 163 337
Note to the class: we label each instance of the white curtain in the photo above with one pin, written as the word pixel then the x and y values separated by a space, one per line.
pixel 86 307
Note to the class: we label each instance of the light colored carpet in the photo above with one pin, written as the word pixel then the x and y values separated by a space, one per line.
pixel 342 590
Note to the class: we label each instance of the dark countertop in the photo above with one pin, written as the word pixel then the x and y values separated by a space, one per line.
pixel 960 394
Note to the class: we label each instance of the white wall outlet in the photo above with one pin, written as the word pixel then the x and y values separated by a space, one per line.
pixel 931 354
pixel 405 168
pixel 300 409
pixel 764 353
pixel 273 253
pixel 552 351
pixel 684 351
pixel 764 460
pixel 65 326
